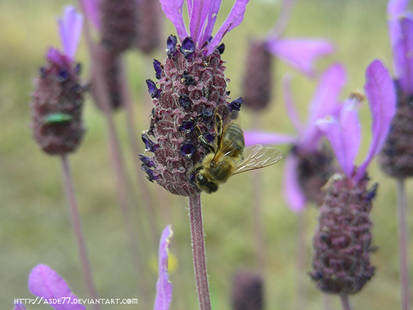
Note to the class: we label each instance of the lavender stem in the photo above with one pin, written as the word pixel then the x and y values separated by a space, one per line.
pixel 403 243
pixel 122 184
pixel 77 229
pixel 345 302
pixel 198 251
pixel 300 261
pixel 283 18
pixel 327 302
pixel 147 198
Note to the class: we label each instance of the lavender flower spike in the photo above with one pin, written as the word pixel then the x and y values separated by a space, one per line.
pixel 46 283
pixel 163 286
pixel 202 17
pixel 70 28
pixel 308 166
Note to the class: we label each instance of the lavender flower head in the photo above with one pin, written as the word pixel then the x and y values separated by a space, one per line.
pixel 343 240
pixel 191 90
pixel 308 166
pixel 396 158
pixel 301 53
pixel 57 99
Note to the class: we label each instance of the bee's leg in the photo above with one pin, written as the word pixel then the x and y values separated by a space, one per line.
pixel 219 125
pixel 203 141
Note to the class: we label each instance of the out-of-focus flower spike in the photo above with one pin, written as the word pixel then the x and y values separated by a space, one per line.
pixel 292 189
pixel 173 11
pixel 300 53
pixel 261 137
pixel 19 307
pixel 163 286
pixel 289 103
pixel 70 28
pixel 234 18
pixel 149 26
pixel 92 12
pixel 402 55
pixel 381 95
pixel 48 284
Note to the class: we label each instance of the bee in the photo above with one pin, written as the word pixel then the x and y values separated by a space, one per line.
pixel 229 157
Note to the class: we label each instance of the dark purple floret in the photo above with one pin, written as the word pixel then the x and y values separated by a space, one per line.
pixel 209 137
pixel 78 68
pixel 371 194
pixel 187 149
pixel 185 102
pixel 149 174
pixel 146 161
pixel 158 69
pixel 171 45
pixel 42 72
pixel 187 126
pixel 188 79
pixel 221 48
pixel 152 89
pixel 149 144
pixel 62 75
pixel 188 47
pixel 207 113
pixel 236 104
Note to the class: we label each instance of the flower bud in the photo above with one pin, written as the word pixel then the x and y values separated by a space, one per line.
pixel 57 103
pixel 257 80
pixel 396 157
pixel 343 241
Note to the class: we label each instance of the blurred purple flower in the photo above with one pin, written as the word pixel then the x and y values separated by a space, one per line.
pixel 325 102
pixel 343 131
pixel 163 286
pixel 70 29
pixel 48 284
pixel 92 12
pixel 202 17
pixel 401 37
pixel 19 307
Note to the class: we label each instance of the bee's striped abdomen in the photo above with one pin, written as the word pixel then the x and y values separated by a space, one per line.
pixel 233 140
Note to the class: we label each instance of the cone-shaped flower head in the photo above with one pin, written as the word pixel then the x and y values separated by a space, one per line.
pixel 49 285
pixel 163 286
pixel 149 26
pixel 396 158
pixel 57 99
pixel 247 291
pixel 300 53
pixel 343 241
pixel 191 91
pixel 308 166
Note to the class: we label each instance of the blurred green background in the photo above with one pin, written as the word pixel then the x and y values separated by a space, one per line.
pixel 34 222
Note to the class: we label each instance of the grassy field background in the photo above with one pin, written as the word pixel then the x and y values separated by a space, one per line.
pixel 34 222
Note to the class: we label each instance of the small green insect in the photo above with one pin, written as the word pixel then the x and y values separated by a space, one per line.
pixel 56 118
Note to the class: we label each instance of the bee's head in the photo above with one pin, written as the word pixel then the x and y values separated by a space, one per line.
pixel 204 183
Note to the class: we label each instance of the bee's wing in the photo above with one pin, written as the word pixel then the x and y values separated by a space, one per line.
pixel 258 156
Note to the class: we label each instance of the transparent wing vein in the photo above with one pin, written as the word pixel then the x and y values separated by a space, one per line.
pixel 258 156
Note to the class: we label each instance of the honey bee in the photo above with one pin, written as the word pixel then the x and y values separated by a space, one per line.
pixel 229 157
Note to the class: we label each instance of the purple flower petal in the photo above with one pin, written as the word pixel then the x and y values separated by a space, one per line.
pixel 344 134
pixel 325 102
pixel 163 286
pixel 261 137
pixel 212 17
pixel 292 190
pixel 173 11
pixel 234 18
pixel 70 28
pixel 291 109
pixel 403 55
pixel 19 307
pixel 92 11
pixel 395 8
pixel 199 12
pixel 300 53
pixel 45 282
pixel 382 100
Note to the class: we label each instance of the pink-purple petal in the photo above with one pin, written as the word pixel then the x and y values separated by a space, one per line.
pixel 70 29
pixel 163 286
pixel 325 102
pixel 292 189
pixel 92 11
pixel 403 55
pixel 381 94
pixel 199 11
pixel 300 53
pixel 265 138
pixel 212 17
pixel 234 18
pixel 45 282
pixel 289 103
pixel 173 11
pixel 19 307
